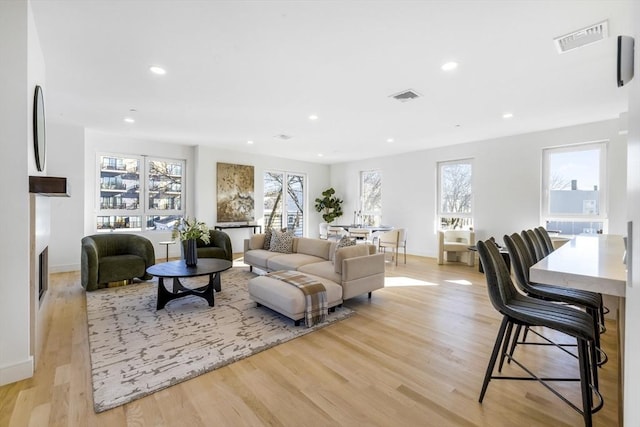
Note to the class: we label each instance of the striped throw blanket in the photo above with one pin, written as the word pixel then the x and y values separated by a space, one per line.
pixel 315 295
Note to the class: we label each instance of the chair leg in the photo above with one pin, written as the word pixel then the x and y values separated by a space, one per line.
pixel 405 254
pixel 587 399
pixel 494 357
pixel 505 343
pixel 514 343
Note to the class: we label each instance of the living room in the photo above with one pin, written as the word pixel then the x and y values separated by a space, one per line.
pixel 502 165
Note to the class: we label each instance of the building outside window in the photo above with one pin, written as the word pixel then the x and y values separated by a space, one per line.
pixel 573 183
pixel 138 193
pixel 284 198
pixel 455 195
pixel 371 199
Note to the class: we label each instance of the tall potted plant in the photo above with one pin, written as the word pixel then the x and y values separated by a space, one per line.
pixel 190 230
pixel 330 205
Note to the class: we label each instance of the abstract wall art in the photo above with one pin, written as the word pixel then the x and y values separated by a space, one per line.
pixel 235 193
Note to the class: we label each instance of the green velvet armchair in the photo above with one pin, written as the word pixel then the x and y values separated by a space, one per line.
pixel 219 246
pixel 112 257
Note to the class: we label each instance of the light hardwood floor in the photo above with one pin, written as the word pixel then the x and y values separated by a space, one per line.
pixel 413 355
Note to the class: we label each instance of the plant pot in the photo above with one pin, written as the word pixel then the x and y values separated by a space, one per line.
pixel 191 253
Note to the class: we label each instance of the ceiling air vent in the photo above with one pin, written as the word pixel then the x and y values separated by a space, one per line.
pixel 406 95
pixel 591 34
pixel 283 137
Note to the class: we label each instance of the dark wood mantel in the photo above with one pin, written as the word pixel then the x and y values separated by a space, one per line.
pixel 49 186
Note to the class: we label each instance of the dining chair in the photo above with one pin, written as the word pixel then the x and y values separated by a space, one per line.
pixel 533 244
pixel 394 239
pixel 543 235
pixel 521 262
pixel 522 310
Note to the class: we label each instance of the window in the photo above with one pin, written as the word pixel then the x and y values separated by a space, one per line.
pixel 284 198
pixel 455 194
pixel 574 199
pixel 136 193
pixel 371 197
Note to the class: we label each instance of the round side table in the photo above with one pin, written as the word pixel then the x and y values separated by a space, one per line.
pixel 166 244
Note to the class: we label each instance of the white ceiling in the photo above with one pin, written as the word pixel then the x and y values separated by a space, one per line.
pixel 251 70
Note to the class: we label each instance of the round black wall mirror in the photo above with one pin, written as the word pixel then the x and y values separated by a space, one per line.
pixel 39 137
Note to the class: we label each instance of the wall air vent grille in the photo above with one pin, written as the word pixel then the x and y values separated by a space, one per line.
pixel 591 34
pixel 406 95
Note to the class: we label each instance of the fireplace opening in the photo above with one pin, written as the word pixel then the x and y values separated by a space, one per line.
pixel 43 272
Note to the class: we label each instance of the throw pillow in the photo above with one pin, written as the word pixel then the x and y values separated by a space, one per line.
pixel 343 243
pixel 281 241
pixel 267 238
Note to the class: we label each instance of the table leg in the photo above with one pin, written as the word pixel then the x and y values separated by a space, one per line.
pixel 206 292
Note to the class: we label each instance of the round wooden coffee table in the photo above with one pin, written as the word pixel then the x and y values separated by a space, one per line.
pixel 178 269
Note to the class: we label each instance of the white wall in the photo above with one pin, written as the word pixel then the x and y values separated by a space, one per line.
pixel 506 183
pixel 205 195
pixel 65 158
pixel 632 319
pixel 22 68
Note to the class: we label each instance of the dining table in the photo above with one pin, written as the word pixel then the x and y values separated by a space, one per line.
pixel 592 262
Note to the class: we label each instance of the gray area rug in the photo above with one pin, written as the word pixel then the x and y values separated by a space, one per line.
pixel 136 350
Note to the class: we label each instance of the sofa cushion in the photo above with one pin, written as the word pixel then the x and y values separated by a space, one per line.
pixel 259 257
pixel 290 261
pixel 321 269
pixel 116 267
pixel 348 252
pixel 315 247
pixel 267 239
pixel 256 241
pixel 344 242
pixel 212 252
pixel 281 241
pixel 288 299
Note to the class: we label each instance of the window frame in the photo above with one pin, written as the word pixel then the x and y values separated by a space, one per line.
pixel 545 204
pixel 284 214
pixel 144 209
pixel 439 211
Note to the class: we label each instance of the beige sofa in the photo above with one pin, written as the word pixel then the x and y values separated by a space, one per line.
pixel 357 269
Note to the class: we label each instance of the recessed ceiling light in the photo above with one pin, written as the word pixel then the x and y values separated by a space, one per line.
pixel 157 70
pixel 389 139
pixel 507 115
pixel 129 120
pixel 320 155
pixel 249 142
pixel 449 66
pixel 313 117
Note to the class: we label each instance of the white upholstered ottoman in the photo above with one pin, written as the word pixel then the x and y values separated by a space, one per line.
pixel 287 299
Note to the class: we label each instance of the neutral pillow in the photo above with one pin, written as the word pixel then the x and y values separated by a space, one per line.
pixel 281 241
pixel 267 238
pixel 343 243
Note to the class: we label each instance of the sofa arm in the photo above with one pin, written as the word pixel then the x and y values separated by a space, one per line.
pixel 362 266
pixel 220 239
pixel 89 264
pixel 363 274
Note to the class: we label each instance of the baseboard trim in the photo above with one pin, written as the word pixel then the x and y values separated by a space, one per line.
pixel 19 371
pixel 64 268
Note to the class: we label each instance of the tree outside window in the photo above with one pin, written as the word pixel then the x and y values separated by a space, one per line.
pixel 284 201
pixel 455 195
pixel 371 197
